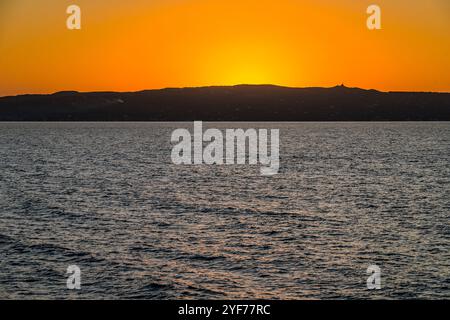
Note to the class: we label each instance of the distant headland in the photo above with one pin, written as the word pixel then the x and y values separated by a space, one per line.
pixel 232 103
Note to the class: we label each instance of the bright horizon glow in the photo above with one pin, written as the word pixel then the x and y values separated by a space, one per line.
pixel 137 45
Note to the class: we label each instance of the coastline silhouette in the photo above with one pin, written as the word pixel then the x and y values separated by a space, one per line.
pixel 230 103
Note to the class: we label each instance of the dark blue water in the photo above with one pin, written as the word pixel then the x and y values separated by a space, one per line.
pixel 106 197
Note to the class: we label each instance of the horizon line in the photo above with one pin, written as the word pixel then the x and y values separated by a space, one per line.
pixel 218 86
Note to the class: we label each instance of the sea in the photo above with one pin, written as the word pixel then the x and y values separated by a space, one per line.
pixel 105 197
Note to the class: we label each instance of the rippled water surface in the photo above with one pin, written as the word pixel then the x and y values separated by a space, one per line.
pixel 106 197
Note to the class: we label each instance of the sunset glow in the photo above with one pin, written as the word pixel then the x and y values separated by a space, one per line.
pixel 135 45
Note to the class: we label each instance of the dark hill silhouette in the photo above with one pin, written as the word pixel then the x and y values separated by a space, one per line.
pixel 236 103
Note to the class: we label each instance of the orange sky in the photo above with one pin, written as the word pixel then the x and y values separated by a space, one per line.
pixel 142 44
